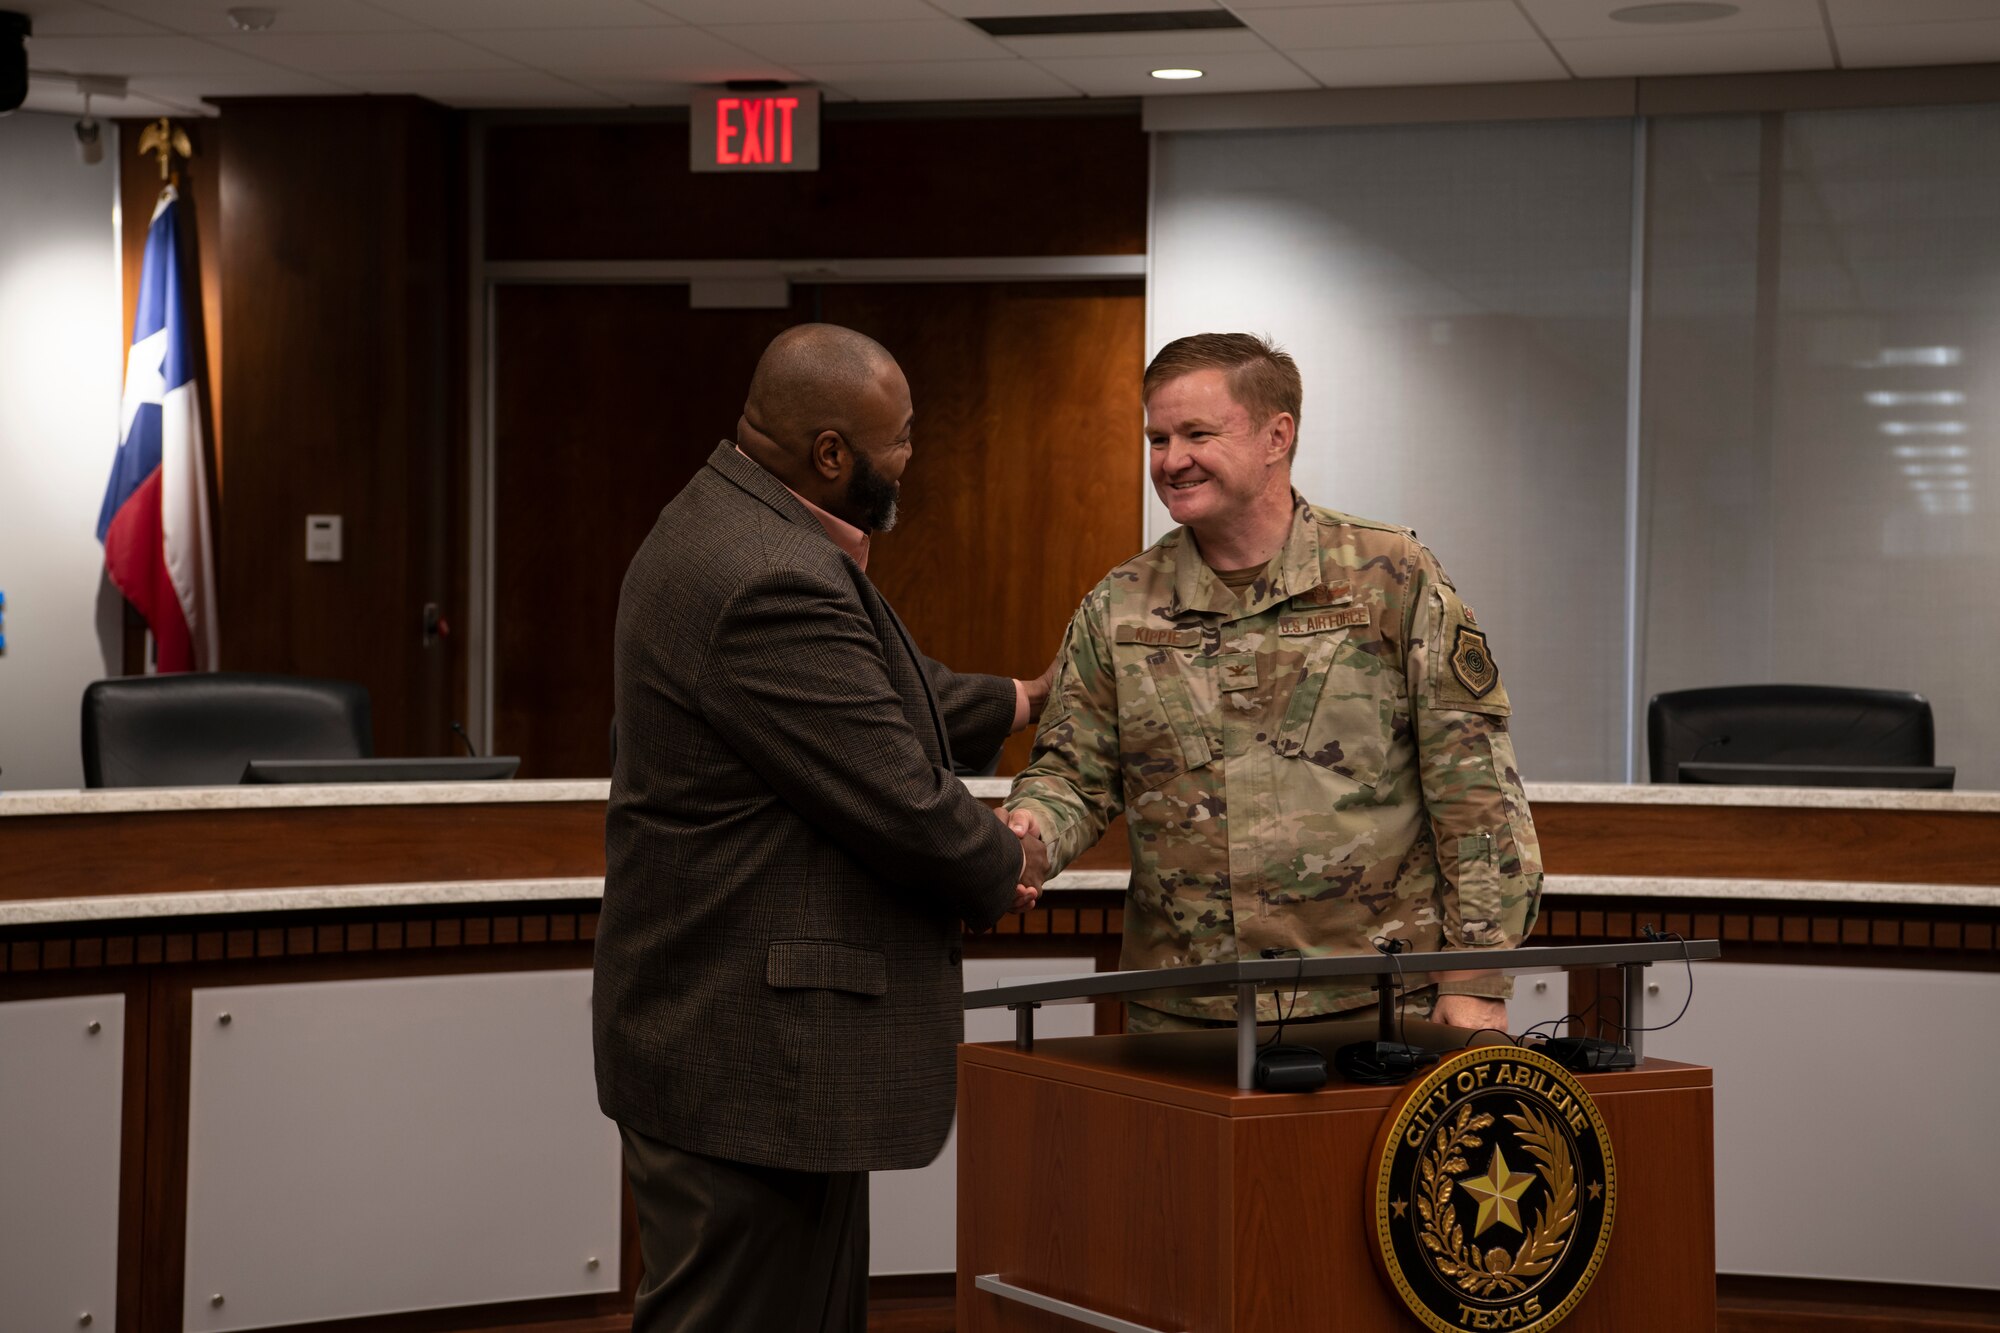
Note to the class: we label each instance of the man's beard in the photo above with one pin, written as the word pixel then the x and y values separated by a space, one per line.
pixel 873 494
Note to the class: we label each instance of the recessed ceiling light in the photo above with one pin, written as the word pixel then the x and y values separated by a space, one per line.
pixel 1914 356
pixel 254 19
pixel 1915 398
pixel 1922 428
pixel 1176 73
pixel 1684 11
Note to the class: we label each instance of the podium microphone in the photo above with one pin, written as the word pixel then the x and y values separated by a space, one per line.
pixel 1382 1061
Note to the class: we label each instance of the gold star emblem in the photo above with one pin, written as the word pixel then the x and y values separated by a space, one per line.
pixel 1596 1191
pixel 1400 1206
pixel 1499 1193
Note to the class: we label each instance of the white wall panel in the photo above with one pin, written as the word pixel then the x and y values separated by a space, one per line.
pixel 1456 297
pixel 1821 425
pixel 61 1104
pixel 1541 999
pixel 367 1147
pixel 913 1215
pixel 60 371
pixel 1853 1118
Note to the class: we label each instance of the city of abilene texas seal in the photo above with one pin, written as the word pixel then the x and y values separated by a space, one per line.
pixel 1493 1192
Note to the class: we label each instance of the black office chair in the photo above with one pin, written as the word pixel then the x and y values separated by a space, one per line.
pixel 200 729
pixel 1797 725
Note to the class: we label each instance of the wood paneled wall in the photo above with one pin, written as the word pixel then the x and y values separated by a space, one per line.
pixel 606 400
pixel 1023 491
pixel 332 246
pixel 1025 488
pixel 1064 182
pixel 342 291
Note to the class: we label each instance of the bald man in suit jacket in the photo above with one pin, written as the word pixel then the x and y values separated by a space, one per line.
pixel 790 859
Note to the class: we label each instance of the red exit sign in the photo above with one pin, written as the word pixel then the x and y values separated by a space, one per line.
pixel 760 131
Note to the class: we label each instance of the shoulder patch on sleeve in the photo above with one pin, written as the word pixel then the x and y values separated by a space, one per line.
pixel 1464 674
pixel 1471 663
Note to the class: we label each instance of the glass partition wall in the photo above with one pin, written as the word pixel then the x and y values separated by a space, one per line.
pixel 1822 304
pixel 1765 459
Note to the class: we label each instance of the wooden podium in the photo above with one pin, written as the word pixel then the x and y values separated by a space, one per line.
pixel 1127 1182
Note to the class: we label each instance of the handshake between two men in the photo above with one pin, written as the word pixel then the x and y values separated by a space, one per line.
pixel 1032 697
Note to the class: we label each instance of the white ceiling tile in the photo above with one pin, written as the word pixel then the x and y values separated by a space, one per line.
pixel 1218 40
pixel 943 80
pixel 479 15
pixel 639 91
pixel 271 82
pixel 66 18
pixel 1592 18
pixel 1920 43
pixel 135 55
pixel 1434 23
pixel 206 18
pixel 1007 9
pixel 864 43
pixel 338 53
pixel 1472 62
pixel 1683 52
pixel 627 51
pixel 1125 76
pixel 711 12
pixel 486 87
pixel 1845 12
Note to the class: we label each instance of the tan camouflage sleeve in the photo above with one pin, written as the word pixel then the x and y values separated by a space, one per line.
pixel 1487 851
pixel 1072 782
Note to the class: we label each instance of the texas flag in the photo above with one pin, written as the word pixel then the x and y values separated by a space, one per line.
pixel 154 524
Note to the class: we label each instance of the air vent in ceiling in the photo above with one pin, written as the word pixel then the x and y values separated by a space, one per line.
pixel 1075 25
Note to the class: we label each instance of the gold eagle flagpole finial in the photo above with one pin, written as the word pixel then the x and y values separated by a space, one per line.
pixel 168 140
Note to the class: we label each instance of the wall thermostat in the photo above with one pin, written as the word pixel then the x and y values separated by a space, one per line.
pixel 322 536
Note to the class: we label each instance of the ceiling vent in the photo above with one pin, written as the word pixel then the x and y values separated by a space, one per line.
pixel 1078 25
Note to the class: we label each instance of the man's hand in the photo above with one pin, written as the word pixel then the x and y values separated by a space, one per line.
pixel 1470 1011
pixel 1037 690
pixel 1034 858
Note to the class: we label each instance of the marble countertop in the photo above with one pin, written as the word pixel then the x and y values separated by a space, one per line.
pixel 1795 798
pixel 285 796
pixel 478 892
pixel 132 800
pixel 1556 887
pixel 342 897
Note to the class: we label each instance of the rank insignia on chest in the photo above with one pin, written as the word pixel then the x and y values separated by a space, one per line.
pixel 1236 671
pixel 1472 664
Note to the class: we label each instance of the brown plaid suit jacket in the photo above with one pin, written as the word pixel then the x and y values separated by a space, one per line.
pixel 789 856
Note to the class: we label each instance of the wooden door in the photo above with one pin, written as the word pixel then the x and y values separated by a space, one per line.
pixel 1026 483
pixel 1024 490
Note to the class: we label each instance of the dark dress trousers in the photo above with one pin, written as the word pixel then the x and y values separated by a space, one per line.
pixel 789 857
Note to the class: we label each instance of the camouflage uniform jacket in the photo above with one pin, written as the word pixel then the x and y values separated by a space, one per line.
pixel 1319 762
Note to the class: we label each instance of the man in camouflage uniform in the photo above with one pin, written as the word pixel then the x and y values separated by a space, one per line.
pixel 1296 714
